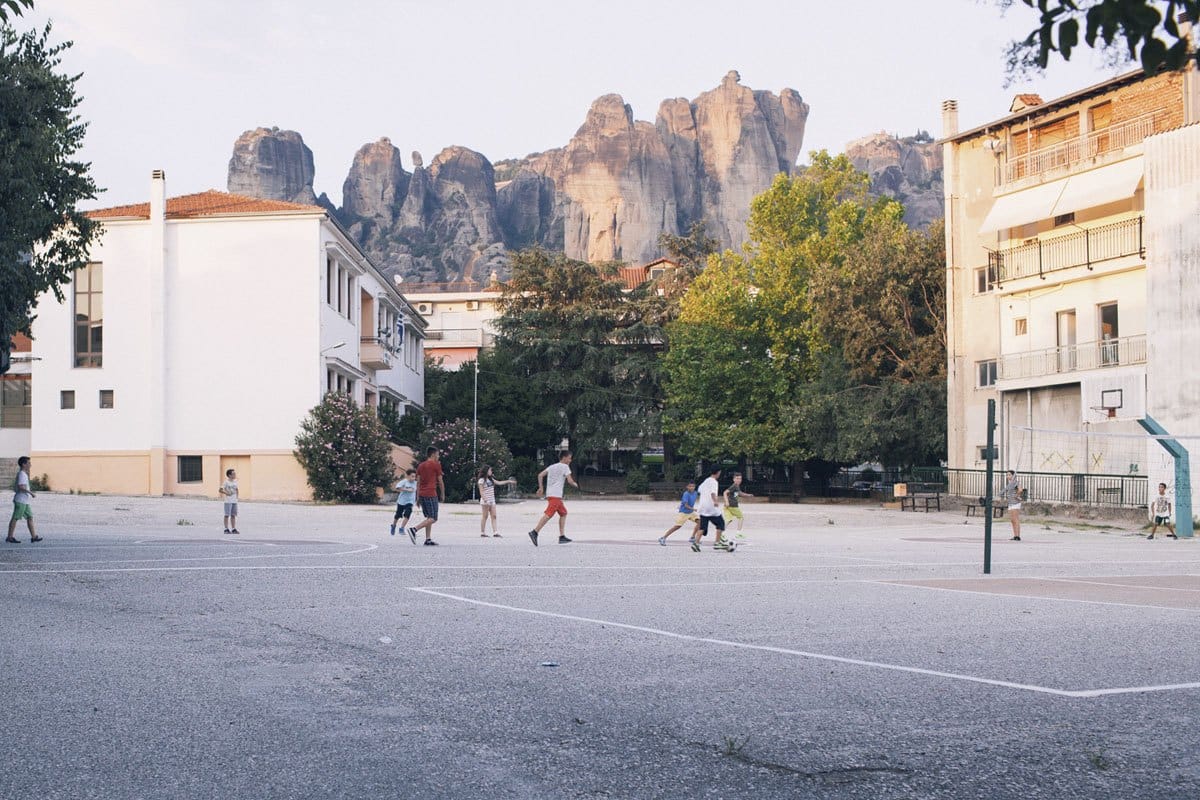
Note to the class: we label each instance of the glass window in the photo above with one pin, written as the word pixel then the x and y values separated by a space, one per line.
pixel 191 469
pixel 16 402
pixel 106 398
pixel 66 398
pixel 1020 326
pixel 987 373
pixel 89 316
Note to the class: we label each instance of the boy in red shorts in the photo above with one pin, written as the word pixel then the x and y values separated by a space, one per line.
pixel 554 478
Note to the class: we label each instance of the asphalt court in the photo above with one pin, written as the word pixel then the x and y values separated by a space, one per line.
pixel 850 604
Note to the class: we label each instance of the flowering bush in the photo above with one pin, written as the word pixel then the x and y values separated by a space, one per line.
pixel 344 449
pixel 458 468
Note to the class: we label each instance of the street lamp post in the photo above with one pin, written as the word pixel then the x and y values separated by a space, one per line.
pixel 475 424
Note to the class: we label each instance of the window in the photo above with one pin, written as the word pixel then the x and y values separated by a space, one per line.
pixel 1064 219
pixel 985 279
pixel 106 398
pixel 66 398
pixel 1020 326
pixel 987 373
pixel 89 316
pixel 191 469
pixel 1050 133
pixel 982 453
pixel 16 403
pixel 330 276
pixel 1100 116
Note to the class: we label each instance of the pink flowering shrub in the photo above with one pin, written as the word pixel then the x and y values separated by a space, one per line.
pixel 344 449
pixel 458 468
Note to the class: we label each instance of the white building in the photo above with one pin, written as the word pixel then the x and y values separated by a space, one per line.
pixel 200 335
pixel 1072 284
pixel 460 317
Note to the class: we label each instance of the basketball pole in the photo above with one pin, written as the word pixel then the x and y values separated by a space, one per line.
pixel 987 491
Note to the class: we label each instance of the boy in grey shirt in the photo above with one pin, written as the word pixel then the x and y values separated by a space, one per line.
pixel 22 496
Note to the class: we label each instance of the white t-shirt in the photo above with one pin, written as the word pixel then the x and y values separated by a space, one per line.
pixel 230 488
pixel 556 479
pixel 706 507
pixel 21 488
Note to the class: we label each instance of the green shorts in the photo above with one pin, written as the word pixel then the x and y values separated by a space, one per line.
pixel 22 511
pixel 733 513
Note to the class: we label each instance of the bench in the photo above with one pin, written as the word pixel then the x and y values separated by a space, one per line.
pixel 923 495
pixel 997 510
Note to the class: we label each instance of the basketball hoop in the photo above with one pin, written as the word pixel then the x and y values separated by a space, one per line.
pixel 1109 411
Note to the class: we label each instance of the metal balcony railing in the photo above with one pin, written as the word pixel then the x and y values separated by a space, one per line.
pixel 1084 248
pixel 1073 358
pixel 1066 154
pixel 460 336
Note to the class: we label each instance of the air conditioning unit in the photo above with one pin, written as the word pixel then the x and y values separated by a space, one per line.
pixel 423 308
pixel 472 305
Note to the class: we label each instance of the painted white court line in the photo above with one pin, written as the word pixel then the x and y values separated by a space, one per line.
pixel 365 549
pixel 657 585
pixel 1126 585
pixel 1077 693
pixel 1031 596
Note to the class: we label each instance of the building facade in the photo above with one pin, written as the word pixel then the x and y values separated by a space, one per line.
pixel 198 337
pixel 1058 273
pixel 459 317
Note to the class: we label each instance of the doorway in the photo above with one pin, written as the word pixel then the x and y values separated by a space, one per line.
pixel 1109 346
pixel 242 465
pixel 1067 358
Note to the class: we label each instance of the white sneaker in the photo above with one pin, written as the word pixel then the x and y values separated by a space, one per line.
pixel 662 540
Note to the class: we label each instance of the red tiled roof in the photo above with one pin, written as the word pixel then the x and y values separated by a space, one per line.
pixel 204 204
pixel 633 277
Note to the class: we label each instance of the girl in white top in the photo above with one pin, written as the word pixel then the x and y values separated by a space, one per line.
pixel 487 498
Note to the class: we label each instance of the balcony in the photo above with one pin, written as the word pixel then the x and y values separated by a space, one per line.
pixel 1083 248
pixel 375 353
pixel 458 337
pixel 1065 155
pixel 1073 358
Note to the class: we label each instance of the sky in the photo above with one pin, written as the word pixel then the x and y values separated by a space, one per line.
pixel 169 84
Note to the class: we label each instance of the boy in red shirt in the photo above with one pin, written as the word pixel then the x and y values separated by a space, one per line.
pixel 430 489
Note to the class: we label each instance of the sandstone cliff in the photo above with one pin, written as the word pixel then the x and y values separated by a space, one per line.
pixel 908 169
pixel 271 163
pixel 607 194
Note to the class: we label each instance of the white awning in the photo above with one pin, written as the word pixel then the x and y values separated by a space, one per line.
pixel 1100 186
pixel 1023 207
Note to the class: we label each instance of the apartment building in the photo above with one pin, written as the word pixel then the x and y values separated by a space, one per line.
pixel 459 316
pixel 198 337
pixel 1073 279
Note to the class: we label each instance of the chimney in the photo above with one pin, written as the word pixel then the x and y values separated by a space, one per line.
pixel 158 195
pixel 949 118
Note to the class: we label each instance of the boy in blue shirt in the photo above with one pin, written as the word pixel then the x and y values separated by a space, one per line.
pixel 687 511
pixel 407 489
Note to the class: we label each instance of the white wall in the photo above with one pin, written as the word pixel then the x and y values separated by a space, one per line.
pixel 241 331
pixel 124 251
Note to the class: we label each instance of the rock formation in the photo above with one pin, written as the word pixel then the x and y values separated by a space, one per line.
pixel 607 195
pixel 271 163
pixel 908 169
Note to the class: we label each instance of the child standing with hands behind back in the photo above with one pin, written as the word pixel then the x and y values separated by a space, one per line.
pixel 229 490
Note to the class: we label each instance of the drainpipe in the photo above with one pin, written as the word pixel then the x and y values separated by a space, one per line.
pixel 156 340
pixel 953 310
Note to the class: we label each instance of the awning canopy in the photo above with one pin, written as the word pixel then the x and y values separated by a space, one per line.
pixel 1023 207
pixel 1100 186
pixel 1086 190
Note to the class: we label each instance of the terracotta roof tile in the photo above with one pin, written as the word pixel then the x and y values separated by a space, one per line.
pixel 204 204
pixel 633 277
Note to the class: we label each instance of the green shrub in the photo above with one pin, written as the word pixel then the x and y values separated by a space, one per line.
pixel 41 484
pixel 344 450
pixel 637 481
pixel 458 467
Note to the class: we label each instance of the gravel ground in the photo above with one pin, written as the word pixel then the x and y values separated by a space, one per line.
pixel 842 652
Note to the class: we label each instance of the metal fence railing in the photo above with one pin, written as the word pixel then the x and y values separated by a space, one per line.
pixel 1073 358
pixel 1064 155
pixel 1120 491
pixel 1083 248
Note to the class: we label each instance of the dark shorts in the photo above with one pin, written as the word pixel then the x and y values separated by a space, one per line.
pixel 429 507
pixel 717 521
pixel 403 510
pixel 1162 520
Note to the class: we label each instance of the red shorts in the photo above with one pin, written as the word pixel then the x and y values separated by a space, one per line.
pixel 554 505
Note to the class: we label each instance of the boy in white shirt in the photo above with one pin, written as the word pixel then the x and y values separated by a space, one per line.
pixel 229 490
pixel 709 509
pixel 554 477
pixel 22 495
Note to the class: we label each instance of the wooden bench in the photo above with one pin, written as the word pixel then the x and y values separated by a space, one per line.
pixel 911 501
pixel 997 510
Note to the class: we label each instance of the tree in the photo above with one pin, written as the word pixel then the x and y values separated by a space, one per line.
pixel 43 238
pixel 1146 30
pixel 454 440
pixel 13 8
pixel 344 450
pixel 507 401
pixel 583 347
pixel 820 337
